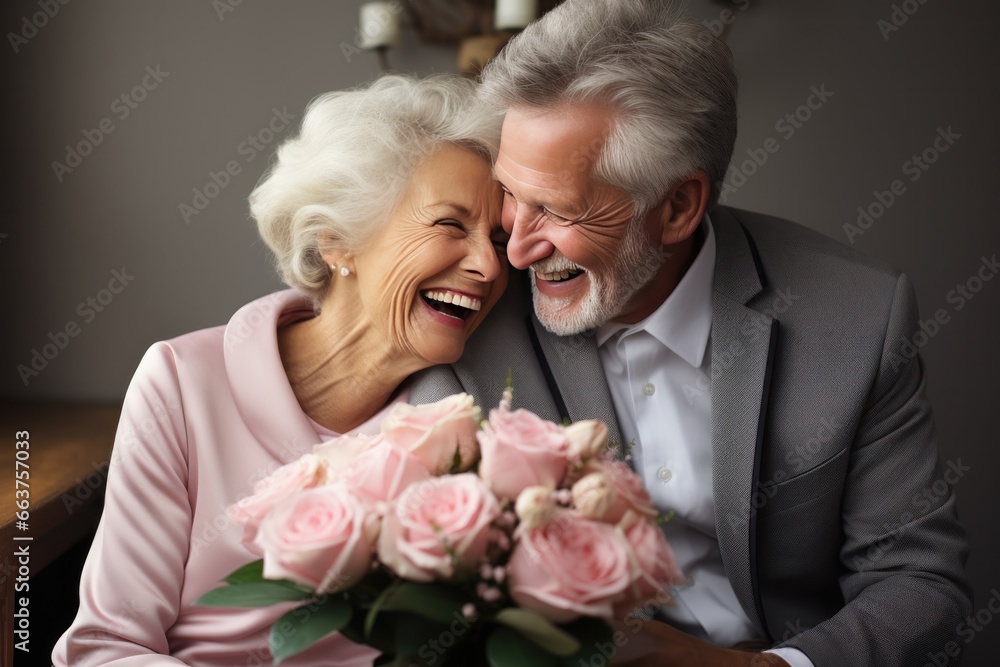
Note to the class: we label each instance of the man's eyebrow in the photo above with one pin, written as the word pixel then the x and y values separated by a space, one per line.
pixel 564 205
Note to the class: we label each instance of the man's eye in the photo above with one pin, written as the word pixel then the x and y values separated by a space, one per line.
pixel 553 216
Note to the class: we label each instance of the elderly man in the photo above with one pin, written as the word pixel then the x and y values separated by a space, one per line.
pixel 764 375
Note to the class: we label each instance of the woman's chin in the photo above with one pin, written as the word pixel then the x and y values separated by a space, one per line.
pixel 440 338
pixel 444 354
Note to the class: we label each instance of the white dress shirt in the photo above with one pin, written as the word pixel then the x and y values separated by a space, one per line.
pixel 658 372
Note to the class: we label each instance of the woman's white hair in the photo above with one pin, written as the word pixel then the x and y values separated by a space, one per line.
pixel 334 184
pixel 670 81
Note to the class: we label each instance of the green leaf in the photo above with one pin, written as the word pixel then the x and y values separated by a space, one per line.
pixel 379 638
pixel 377 607
pixel 249 573
pixel 456 461
pixel 366 591
pixel 302 627
pixel 539 630
pixel 436 602
pixel 507 648
pixel 413 634
pixel 258 594
pixel 420 641
pixel 393 661
pixel 596 638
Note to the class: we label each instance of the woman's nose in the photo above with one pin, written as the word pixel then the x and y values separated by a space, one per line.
pixel 482 260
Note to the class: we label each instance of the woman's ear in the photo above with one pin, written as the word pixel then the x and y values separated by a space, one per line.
pixel 683 207
pixel 329 249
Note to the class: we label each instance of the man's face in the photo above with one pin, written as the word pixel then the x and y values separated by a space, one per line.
pixel 588 258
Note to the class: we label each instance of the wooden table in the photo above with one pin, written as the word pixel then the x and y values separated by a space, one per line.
pixel 68 454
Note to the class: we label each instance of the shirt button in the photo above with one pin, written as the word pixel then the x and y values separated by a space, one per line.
pixel 664 474
pixel 648 389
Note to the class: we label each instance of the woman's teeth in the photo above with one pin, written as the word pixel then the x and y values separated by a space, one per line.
pixel 452 299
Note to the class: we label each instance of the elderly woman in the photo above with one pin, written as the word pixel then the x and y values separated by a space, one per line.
pixel 383 217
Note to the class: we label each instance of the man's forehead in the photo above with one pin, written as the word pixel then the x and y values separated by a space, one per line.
pixel 576 132
pixel 546 148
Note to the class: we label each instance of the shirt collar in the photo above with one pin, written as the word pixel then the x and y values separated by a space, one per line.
pixel 683 321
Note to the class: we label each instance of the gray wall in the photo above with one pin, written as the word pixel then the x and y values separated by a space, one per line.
pixel 120 207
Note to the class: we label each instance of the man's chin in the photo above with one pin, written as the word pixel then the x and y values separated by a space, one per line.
pixel 562 317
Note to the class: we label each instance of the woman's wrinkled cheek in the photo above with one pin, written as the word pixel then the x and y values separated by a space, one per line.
pixel 400 292
pixel 398 306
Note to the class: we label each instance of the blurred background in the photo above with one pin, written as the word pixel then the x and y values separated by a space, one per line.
pixel 135 129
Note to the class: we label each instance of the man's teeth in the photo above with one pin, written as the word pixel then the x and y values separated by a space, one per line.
pixel 556 275
pixel 462 300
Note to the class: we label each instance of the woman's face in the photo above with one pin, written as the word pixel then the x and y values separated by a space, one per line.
pixel 433 272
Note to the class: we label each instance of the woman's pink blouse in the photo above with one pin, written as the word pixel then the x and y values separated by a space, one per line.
pixel 206 416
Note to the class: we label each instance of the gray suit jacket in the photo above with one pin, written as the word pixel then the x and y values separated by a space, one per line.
pixel 838 533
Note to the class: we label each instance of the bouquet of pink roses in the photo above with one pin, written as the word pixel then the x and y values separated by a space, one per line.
pixel 396 543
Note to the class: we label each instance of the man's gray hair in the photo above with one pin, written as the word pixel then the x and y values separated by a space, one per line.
pixel 670 81
pixel 348 167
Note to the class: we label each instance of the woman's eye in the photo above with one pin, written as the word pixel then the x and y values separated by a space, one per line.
pixel 450 223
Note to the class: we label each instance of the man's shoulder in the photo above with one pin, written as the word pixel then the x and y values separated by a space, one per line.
pixel 785 250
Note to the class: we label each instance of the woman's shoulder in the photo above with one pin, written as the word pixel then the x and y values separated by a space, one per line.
pixel 171 358
pixel 252 326
pixel 200 365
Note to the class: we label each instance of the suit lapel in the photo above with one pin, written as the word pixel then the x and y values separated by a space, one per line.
pixel 742 350
pixel 742 354
pixel 574 366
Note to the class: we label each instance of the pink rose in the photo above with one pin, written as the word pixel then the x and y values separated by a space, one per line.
pixel 305 473
pixel 383 472
pixel 520 449
pixel 630 493
pixel 436 431
pixel 322 537
pixel 438 528
pixel 570 567
pixel 653 563
pixel 340 452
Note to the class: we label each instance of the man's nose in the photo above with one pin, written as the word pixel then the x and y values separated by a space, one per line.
pixel 528 242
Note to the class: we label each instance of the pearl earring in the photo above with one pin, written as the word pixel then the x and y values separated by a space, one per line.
pixel 333 267
pixel 344 271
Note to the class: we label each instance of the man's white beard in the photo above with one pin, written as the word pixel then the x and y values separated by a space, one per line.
pixel 634 267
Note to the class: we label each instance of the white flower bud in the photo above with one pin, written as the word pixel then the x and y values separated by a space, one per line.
pixel 587 439
pixel 534 506
pixel 593 495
